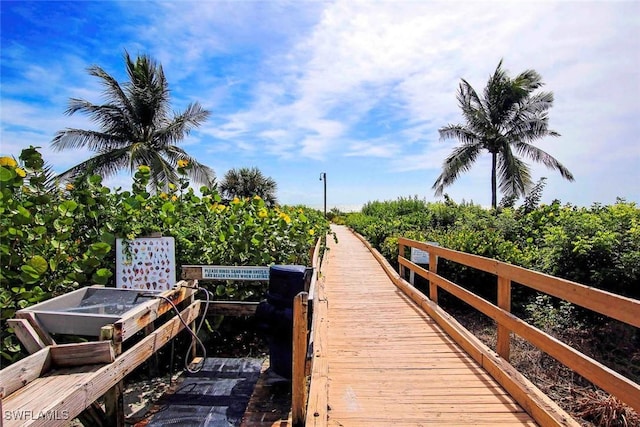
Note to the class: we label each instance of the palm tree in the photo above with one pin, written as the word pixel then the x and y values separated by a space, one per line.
pixel 245 182
pixel 504 122
pixel 135 128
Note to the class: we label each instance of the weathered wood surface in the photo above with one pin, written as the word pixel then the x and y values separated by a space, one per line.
pixel 57 396
pixel 615 306
pixel 299 358
pixel 232 308
pixel 623 388
pixel 389 363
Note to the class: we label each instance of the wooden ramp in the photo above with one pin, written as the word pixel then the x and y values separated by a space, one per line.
pixel 389 364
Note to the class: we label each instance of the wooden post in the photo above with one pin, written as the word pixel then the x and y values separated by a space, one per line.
pixel 193 325
pixel 298 376
pixel 433 268
pixel 401 253
pixel 153 362
pixel 113 399
pixel 503 346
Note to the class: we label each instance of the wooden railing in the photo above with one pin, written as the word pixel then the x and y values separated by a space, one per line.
pixel 617 307
pixel 307 308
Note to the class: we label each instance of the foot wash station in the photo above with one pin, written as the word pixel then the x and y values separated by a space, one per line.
pixel 122 328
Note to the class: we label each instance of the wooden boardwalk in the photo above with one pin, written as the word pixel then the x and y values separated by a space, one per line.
pixel 391 364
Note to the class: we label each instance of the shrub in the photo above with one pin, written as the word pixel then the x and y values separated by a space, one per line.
pixel 55 241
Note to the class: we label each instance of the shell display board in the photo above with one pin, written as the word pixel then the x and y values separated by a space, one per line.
pixel 147 263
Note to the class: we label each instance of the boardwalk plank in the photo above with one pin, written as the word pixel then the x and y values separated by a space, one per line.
pixel 389 363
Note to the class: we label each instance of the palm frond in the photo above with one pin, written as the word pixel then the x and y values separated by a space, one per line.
pixel 540 156
pixel 514 175
pixel 459 161
pixel 79 138
pixel 135 127
pixel 508 116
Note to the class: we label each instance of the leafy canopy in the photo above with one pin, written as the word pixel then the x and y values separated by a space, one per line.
pixel 135 127
pixel 505 121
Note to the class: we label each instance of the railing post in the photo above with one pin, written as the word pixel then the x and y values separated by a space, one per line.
pixel 503 346
pixel 299 394
pixel 433 269
pixel 113 398
pixel 401 252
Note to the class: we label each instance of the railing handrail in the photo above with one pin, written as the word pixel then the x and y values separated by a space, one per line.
pixel 304 321
pixel 615 306
pixel 626 310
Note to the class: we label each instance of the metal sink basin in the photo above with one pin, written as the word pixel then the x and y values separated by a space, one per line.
pixel 86 310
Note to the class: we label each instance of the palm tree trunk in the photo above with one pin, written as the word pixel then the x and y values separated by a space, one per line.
pixel 494 192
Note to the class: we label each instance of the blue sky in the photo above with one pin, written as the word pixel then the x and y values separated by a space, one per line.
pixel 354 89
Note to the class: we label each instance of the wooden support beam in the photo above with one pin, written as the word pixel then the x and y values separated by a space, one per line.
pixel 22 372
pixel 154 362
pixel 299 393
pixel 149 311
pixel 317 406
pixel 114 405
pixel 401 253
pixel 113 398
pixel 232 308
pixel 37 326
pixel 27 335
pixel 94 384
pixel 503 345
pixel 85 353
pixel 433 268
pixel 93 416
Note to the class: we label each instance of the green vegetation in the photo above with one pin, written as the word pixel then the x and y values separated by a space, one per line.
pixel 248 182
pixel 136 128
pixel 597 246
pixel 504 121
pixel 52 242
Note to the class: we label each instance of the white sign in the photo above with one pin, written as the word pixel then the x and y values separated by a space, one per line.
pixel 235 273
pixel 419 256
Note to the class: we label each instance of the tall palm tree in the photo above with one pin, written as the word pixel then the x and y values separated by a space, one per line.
pixel 245 182
pixel 135 127
pixel 504 122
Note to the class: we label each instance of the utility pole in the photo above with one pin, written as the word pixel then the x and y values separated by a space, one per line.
pixel 323 177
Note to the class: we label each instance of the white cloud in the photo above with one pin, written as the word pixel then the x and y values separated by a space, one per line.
pixel 364 80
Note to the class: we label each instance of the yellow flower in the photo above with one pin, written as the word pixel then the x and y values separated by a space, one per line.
pixel 164 196
pixel 21 173
pixel 285 217
pixel 183 163
pixel 257 197
pixel 70 187
pixel 262 213
pixel 174 198
pixel 8 161
pixel 235 201
pixel 312 232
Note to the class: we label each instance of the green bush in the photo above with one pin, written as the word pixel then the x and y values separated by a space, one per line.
pixel 55 241
pixel 597 246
